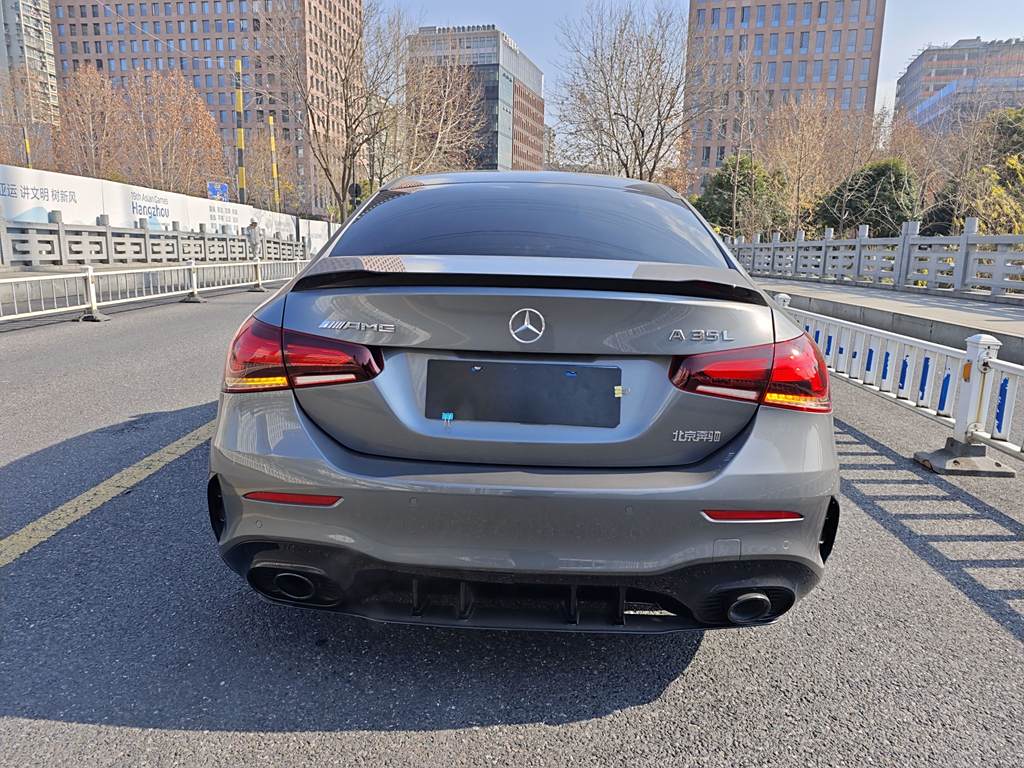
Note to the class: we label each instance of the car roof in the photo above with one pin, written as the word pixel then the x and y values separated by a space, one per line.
pixel 408 183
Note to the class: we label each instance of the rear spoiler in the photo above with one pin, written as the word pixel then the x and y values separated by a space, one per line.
pixel 361 278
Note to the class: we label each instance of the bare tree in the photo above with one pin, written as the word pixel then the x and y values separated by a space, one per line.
pixel 170 140
pixel 441 117
pixel 622 100
pixel 815 145
pixel 434 121
pixel 337 100
pixel 89 136
pixel 259 172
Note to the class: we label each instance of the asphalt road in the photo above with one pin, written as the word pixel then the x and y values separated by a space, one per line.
pixel 125 641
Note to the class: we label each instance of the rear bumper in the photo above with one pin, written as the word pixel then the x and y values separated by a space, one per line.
pixel 693 597
pixel 452 528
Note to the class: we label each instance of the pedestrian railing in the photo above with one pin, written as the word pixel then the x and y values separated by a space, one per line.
pixel 970 390
pixel 968 264
pixel 37 295
pixel 27 244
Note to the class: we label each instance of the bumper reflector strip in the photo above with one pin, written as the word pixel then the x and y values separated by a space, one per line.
pixel 304 499
pixel 749 516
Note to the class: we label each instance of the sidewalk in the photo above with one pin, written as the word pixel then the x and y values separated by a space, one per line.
pixel 940 319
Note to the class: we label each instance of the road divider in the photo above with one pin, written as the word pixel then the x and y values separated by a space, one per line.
pixel 55 521
pixel 970 390
pixel 32 295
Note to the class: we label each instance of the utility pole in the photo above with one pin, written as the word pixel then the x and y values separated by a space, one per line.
pixel 239 132
pixel 28 147
pixel 273 165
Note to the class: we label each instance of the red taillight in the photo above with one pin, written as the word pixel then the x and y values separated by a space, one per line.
pixel 790 374
pixel 255 363
pixel 737 374
pixel 305 499
pixel 799 377
pixel 263 358
pixel 749 515
pixel 313 361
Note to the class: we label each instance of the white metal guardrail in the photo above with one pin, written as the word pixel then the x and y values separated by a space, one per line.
pixel 969 390
pixel 37 295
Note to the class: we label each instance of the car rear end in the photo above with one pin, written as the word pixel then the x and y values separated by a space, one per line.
pixel 526 401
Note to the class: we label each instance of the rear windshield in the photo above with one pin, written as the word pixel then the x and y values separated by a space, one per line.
pixel 531 219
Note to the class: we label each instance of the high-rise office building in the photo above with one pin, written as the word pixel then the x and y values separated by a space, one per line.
pixel 202 39
pixel 944 82
pixel 758 55
pixel 511 88
pixel 27 70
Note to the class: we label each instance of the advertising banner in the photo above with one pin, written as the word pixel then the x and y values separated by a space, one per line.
pixel 28 195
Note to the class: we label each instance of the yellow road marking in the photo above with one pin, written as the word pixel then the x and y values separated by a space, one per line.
pixel 41 529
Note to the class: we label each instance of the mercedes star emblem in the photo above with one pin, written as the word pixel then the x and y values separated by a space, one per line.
pixel 526 325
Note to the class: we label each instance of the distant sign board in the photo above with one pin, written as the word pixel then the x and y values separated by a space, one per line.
pixel 217 190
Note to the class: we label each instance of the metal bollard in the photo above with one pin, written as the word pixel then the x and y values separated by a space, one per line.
pixel 961 456
pixel 93 314
pixel 193 296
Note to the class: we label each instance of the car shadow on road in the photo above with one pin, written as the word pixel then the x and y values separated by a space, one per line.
pixel 128 617
pixel 33 485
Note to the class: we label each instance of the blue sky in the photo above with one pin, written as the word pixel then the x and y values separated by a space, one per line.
pixel 909 26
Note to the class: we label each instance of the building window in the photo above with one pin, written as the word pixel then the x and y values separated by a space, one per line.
pixel 823 12
pixel 848 75
pixel 805 42
pixel 716 16
pixel 817 70
pixel 760 15
pixel 788 45
pixel 701 18
pixel 787 71
pixel 808 12
pixel 727 45
pixel 865 69
pixel 791 14
pixel 854 10
pixel 862 98
pixel 758 45
pixel 801 72
pixel 773 44
pixel 730 18
pixel 833 70
pixel 771 71
pixel 745 16
pixel 837 41
pixel 839 12
pixel 870 14
pixel 851 41
pixel 869 40
pixel 847 93
pixel 776 14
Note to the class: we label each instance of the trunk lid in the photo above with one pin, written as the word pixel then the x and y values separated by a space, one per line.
pixel 527 361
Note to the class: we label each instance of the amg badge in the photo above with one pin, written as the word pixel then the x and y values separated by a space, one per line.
pixel 701 335
pixel 352 325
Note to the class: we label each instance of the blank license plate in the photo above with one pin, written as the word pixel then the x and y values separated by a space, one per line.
pixel 527 393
